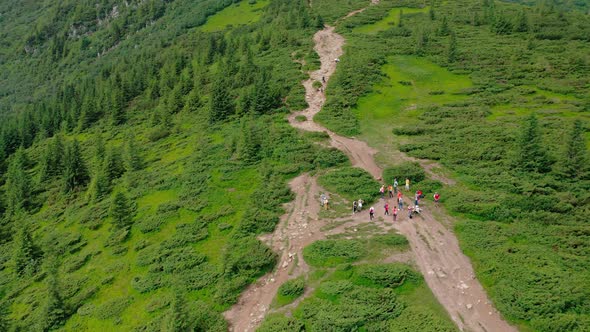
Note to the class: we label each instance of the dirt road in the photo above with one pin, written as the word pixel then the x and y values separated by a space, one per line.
pixel 435 249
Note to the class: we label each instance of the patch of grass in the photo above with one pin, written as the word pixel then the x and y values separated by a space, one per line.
pixel 351 183
pixel 241 13
pixel 390 20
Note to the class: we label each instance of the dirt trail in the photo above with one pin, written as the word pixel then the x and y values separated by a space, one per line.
pixel 435 249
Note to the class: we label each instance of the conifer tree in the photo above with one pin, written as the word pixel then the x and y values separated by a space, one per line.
pixel 444 29
pixel 113 165
pixel 249 142
pixel 221 105
pixel 132 158
pixel 522 23
pixel 452 49
pixel 75 173
pixel 121 210
pixel 532 156
pixel 4 325
pixel 574 163
pixel 400 18
pixel 18 186
pixel 26 254
pixel 54 313
pixel 99 186
pixel 178 316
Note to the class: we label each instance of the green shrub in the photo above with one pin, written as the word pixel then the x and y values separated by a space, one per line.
pixel 292 288
pixel 333 252
pixel 409 131
pixel 410 170
pixel 386 275
pixel 280 323
pixel 430 186
pixel 327 158
pixel 352 183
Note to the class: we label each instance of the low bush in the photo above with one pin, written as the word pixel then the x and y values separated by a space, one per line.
pixel 409 170
pixel 333 252
pixel 352 183
pixel 386 275
pixel 292 288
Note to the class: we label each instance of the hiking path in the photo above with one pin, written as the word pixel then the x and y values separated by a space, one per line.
pixel 434 247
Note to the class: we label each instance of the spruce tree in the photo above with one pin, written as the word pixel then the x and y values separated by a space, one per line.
pixel 400 18
pixel 132 157
pixel 4 324
pixel 574 163
pixel 75 173
pixel 522 22
pixel 54 314
pixel 444 29
pixel 532 155
pixel 26 254
pixel 18 186
pixel 178 316
pixel 99 186
pixel 221 105
pixel 452 49
pixel 113 165
pixel 121 210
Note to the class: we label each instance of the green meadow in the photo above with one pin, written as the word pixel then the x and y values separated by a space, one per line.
pixel 390 20
pixel 240 13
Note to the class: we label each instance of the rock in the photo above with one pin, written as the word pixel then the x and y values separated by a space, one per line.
pixel 285 264
pixel 272 279
pixel 469 305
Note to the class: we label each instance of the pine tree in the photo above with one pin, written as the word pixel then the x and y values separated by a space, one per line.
pixel 444 29
pixel 249 142
pixel 121 210
pixel 178 316
pixel 54 314
pixel 522 22
pixel 532 156
pixel 452 49
pixel 4 325
pixel 422 40
pixel 26 254
pixel 400 18
pixel 18 186
pixel 221 105
pixel 133 161
pixel 99 186
pixel 574 163
pixel 113 165
pixel 75 173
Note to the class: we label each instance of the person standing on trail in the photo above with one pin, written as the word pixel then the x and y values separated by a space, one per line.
pixel 407 184
pixel 436 198
pixel 354 207
pixel 382 191
pixel 390 190
pixel 416 198
pixel 386 208
pixel 395 184
pixel 326 204
pixel 360 205
pixel 394 213
pixel 323 79
pixel 372 213
pixel 400 202
pixel 410 210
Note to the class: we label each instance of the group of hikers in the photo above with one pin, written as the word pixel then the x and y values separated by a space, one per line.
pixel 392 191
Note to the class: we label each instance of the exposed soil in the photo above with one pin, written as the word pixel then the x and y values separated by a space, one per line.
pixel 434 248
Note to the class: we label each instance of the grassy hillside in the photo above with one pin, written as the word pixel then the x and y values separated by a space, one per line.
pixel 497 94
pixel 132 196
pixel 144 146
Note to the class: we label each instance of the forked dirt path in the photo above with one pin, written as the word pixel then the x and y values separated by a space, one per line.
pixel 447 271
